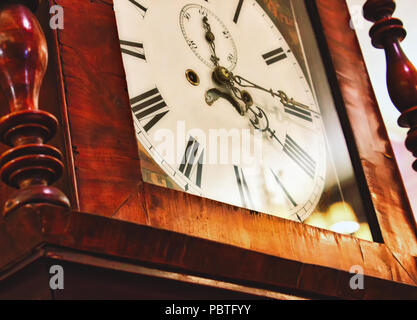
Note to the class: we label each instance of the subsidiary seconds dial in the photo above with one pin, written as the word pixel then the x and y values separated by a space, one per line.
pixel 191 26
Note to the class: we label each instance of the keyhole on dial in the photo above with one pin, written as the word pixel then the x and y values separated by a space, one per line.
pixel 192 77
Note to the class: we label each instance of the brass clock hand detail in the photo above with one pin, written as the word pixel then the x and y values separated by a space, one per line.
pixel 244 83
pixel 210 39
pixel 221 76
pixel 224 78
pixel 214 94
pixel 260 119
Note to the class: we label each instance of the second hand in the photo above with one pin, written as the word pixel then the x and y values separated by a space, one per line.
pixel 210 39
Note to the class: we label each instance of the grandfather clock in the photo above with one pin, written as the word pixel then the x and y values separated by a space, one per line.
pixel 206 149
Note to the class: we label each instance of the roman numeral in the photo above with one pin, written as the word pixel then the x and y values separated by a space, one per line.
pixel 237 12
pixel 295 152
pixel 138 47
pixel 138 5
pixel 190 166
pixel 297 111
pixel 287 194
pixel 243 188
pixel 274 56
pixel 149 107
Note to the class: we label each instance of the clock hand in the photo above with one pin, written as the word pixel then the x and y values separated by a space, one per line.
pixel 213 94
pixel 210 39
pixel 260 119
pixel 278 94
pixel 224 78
pixel 263 126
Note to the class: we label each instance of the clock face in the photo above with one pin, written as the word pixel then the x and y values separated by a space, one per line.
pixel 221 104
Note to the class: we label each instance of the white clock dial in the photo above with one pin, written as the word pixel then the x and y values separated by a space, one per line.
pixel 204 148
pixel 190 23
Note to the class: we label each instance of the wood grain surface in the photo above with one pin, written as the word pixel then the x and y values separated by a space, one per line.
pixel 103 139
pixel 108 169
pixel 175 229
pixel 369 135
pixel 95 236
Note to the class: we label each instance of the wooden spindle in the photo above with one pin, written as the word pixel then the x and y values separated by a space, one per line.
pixel 30 165
pixel 387 33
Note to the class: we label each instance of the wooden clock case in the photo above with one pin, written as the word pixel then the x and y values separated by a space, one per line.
pixel 126 238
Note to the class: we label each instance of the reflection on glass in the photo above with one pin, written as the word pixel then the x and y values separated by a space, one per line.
pixel 318 220
pixel 364 232
pixel 270 187
pixel 342 219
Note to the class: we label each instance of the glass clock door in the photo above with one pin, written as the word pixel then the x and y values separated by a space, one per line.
pixel 230 102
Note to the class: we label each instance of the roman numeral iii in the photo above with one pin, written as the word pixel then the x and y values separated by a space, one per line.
pixel 149 108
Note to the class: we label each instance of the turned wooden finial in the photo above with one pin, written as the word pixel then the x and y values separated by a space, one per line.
pixel 387 33
pixel 30 165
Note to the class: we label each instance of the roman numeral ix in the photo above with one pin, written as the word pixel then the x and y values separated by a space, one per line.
pixel 149 108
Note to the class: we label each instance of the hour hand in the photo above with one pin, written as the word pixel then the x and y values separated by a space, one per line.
pixel 214 94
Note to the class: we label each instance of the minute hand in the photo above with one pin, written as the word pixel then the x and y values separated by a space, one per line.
pixel 278 94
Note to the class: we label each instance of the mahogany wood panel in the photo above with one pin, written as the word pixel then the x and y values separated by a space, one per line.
pixel 109 182
pixel 85 281
pixel 370 138
pixel 103 139
pixel 31 283
pixel 34 225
